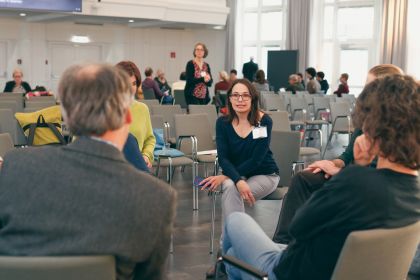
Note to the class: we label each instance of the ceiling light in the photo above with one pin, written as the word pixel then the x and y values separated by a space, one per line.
pixel 218 27
pixel 131 20
pixel 80 39
pixel 22 14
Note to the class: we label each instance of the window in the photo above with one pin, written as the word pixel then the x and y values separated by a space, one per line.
pixel 260 28
pixel 413 40
pixel 349 41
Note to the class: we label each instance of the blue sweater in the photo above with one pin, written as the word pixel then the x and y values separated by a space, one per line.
pixel 133 155
pixel 244 156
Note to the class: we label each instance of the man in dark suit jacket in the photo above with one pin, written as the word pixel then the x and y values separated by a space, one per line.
pixel 85 198
pixel 249 69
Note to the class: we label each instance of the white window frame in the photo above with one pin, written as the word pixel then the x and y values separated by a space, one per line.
pixel 258 43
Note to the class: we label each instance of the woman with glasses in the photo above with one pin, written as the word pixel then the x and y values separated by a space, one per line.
pixel 198 77
pixel 243 148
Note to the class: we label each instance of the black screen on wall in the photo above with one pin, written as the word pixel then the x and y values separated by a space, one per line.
pixel 280 65
pixel 46 5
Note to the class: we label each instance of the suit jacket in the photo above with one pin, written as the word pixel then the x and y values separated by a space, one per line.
pixel 11 84
pixel 85 199
pixel 249 69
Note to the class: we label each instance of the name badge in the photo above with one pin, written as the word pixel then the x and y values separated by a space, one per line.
pixel 259 132
pixel 203 74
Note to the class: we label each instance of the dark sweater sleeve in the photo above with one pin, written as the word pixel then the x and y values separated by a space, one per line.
pixel 26 86
pixel 157 91
pixel 210 82
pixel 222 150
pixel 9 86
pixel 347 156
pixel 133 155
pixel 260 151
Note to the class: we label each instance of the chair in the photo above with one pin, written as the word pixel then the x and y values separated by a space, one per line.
pixel 210 111
pixel 149 94
pixel 168 113
pixel 263 98
pixel 9 104
pixel 384 254
pixel 179 97
pixel 274 102
pixel 195 127
pixel 150 103
pixel 58 267
pixel 341 121
pixel 14 97
pixel 8 124
pixel 6 143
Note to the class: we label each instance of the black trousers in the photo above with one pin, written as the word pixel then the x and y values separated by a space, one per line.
pixel 300 190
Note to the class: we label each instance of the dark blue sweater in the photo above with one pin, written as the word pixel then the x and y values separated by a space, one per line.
pixel 244 156
pixel 133 155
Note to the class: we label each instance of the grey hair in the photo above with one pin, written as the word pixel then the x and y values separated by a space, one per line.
pixel 293 77
pixel 94 98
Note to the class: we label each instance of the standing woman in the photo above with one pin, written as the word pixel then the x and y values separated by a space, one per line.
pixel 243 148
pixel 198 77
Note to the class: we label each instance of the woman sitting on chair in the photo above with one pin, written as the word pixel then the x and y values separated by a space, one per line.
pixel 243 148
pixel 357 198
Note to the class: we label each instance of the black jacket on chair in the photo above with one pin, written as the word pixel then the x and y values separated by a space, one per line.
pixel 249 69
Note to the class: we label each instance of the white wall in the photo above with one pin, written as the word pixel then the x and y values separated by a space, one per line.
pixel 33 43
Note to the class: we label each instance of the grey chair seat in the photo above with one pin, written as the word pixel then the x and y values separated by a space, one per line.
pixel 206 158
pixel 278 194
pixel 297 123
pixel 177 161
pixel 309 151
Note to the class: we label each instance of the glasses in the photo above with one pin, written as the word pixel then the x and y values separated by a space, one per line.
pixel 201 50
pixel 244 97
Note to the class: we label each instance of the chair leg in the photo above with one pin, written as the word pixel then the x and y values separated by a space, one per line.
pixel 195 191
pixel 328 142
pixel 213 217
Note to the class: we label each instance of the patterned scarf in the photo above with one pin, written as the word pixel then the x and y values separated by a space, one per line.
pixel 200 89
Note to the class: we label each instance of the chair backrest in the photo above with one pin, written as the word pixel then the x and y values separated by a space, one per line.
pixel 274 102
pixel 9 104
pixel 58 267
pixel 340 112
pixel 14 97
pixel 285 146
pixel 157 121
pixel 384 254
pixel 149 94
pixel 8 124
pixel 50 98
pixel 149 103
pixel 280 120
pixel 179 97
pixel 297 105
pixel 168 113
pixel 210 110
pixel 263 98
pixel 197 125
pixel 321 104
pixel 6 143
pixel 39 104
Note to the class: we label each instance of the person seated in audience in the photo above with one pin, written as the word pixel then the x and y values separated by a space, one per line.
pixel 301 80
pixel 307 182
pixel 224 83
pixel 162 82
pixel 260 83
pixel 180 84
pixel 294 84
pixel 344 204
pixel 243 149
pixel 85 198
pixel 312 86
pixel 324 83
pixel 17 85
pixel 150 84
pixel 141 126
pixel 343 87
pixel 233 75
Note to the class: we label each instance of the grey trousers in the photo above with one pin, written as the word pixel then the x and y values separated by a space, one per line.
pixel 261 186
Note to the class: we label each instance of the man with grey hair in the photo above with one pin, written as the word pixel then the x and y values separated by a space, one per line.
pixel 294 84
pixel 85 198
